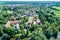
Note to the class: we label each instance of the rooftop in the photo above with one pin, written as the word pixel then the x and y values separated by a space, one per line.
pixel 9 22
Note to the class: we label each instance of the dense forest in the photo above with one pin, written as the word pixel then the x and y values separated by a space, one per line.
pixel 18 20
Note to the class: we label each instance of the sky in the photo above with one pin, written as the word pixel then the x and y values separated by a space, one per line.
pixel 29 0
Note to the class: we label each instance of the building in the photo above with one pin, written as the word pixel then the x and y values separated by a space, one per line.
pixel 34 22
pixel 16 24
pixel 37 21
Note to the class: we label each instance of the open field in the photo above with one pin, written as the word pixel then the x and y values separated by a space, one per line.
pixel 56 7
pixel 56 12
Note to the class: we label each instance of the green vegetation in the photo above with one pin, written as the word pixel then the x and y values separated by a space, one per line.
pixel 47 27
pixel 56 10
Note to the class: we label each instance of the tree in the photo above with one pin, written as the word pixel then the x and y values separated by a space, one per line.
pixel 54 32
pixel 37 35
pixel 10 31
pixel 47 33
pixel 5 37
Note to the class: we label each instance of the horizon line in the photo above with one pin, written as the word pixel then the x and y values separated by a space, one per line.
pixel 30 0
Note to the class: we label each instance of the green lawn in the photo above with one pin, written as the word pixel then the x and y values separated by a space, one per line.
pixel 57 13
pixel 56 7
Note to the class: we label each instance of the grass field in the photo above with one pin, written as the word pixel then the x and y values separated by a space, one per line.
pixel 56 7
pixel 56 12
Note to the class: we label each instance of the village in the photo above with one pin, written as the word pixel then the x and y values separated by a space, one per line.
pixel 33 18
pixel 29 20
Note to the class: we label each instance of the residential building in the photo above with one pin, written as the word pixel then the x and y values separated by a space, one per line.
pixel 16 24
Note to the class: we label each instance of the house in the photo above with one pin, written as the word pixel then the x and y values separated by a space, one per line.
pixel 16 24
pixel 33 14
pixel 37 21
pixel 28 13
pixel 34 22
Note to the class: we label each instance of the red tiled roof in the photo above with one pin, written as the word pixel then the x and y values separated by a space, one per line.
pixel 37 20
pixel 9 22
